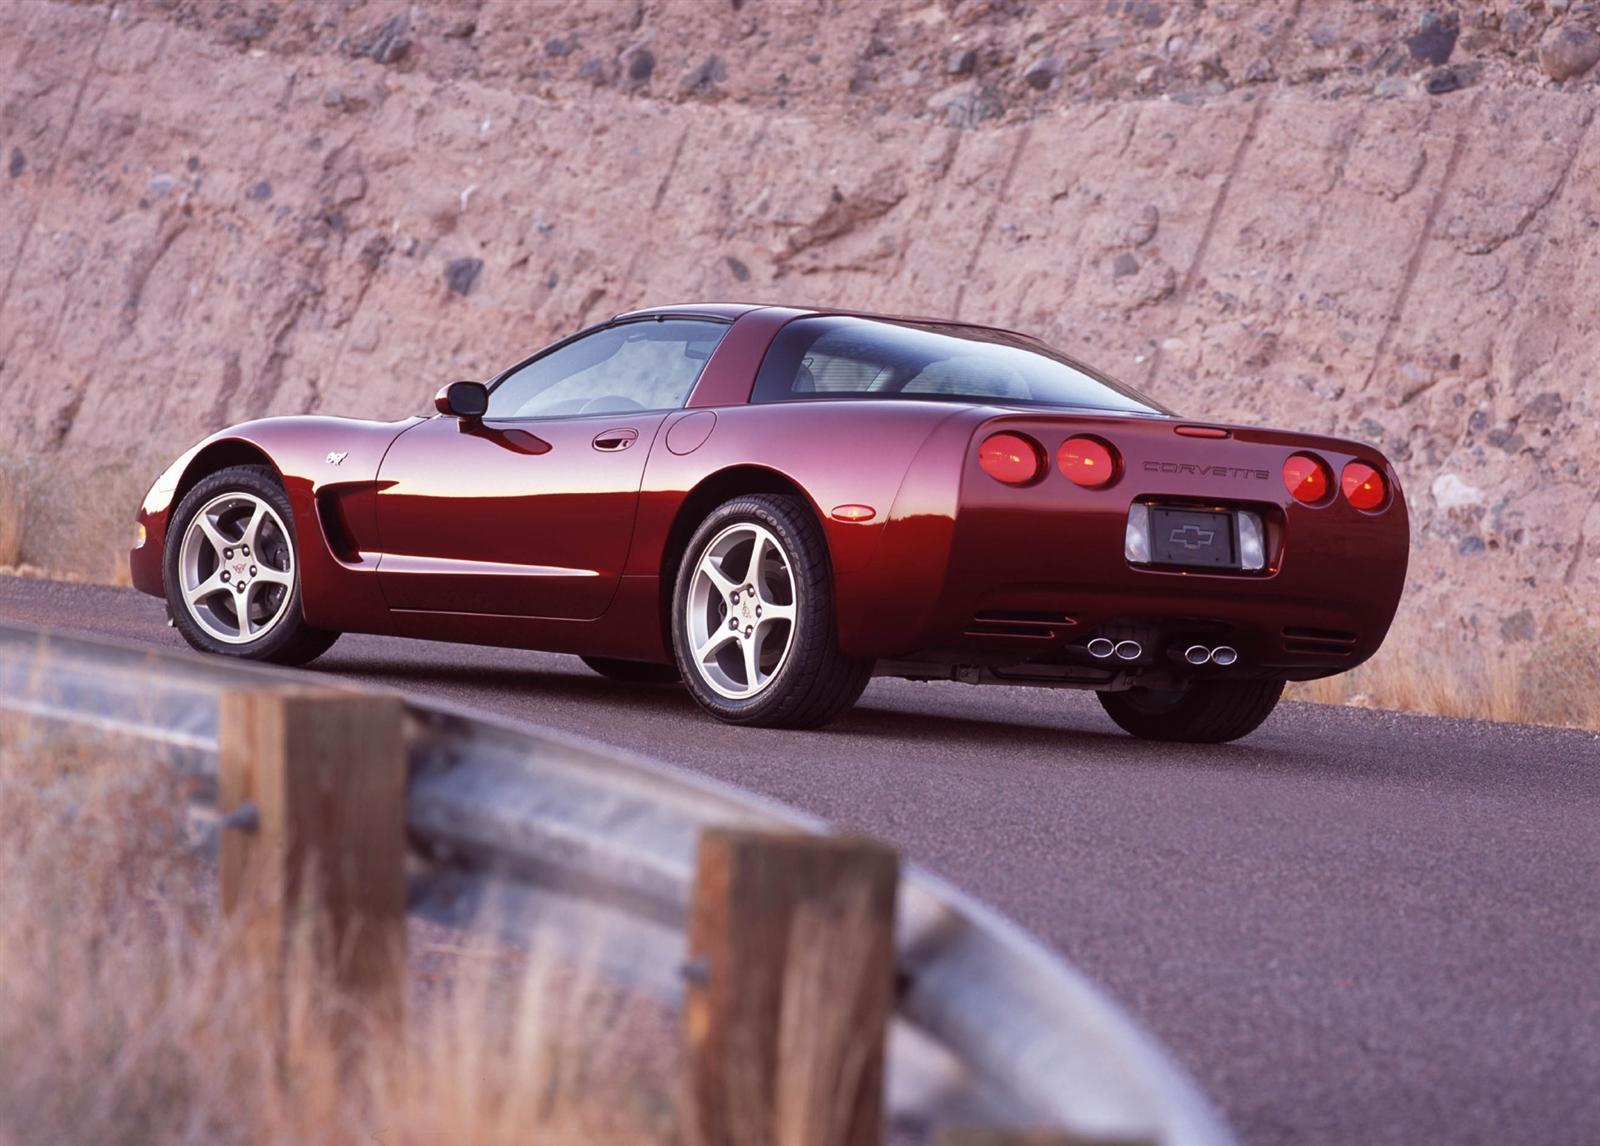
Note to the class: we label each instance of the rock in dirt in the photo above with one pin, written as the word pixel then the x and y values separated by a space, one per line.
pixel 1568 50
pixel 388 43
pixel 961 62
pixel 1443 80
pixel 704 79
pixel 641 63
pixel 1042 73
pixel 461 275
pixel 1435 39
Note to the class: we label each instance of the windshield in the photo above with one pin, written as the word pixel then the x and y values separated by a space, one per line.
pixel 844 357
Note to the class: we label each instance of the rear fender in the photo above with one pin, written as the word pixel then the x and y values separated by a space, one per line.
pixel 885 603
pixel 837 455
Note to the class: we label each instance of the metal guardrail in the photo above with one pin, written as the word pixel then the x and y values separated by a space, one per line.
pixel 560 843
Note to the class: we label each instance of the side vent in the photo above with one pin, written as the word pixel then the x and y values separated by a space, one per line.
pixel 1019 625
pixel 330 512
pixel 1326 642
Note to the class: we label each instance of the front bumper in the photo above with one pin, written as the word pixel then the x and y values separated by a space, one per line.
pixel 144 559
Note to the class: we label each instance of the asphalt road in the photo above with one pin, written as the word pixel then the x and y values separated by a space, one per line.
pixel 1352 926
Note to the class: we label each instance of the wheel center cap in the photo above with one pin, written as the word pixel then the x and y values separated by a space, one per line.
pixel 747 612
pixel 240 568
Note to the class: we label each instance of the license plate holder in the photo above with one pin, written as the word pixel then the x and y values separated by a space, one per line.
pixel 1202 538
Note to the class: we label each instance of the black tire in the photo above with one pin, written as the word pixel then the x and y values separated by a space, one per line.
pixel 289 641
pixel 815 682
pixel 633 672
pixel 1210 712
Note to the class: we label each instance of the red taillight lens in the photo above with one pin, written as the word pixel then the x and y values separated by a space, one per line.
pixel 1010 458
pixel 1087 461
pixel 1363 486
pixel 1306 478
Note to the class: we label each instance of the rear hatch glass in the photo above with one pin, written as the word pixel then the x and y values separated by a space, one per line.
pixel 838 356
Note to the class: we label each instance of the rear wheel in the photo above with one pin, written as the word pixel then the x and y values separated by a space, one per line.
pixel 232 574
pixel 753 623
pixel 633 672
pixel 1209 712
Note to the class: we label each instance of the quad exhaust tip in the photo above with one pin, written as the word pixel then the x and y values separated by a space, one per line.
pixel 1221 655
pixel 1101 647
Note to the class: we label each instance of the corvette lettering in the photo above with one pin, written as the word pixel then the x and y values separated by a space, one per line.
pixel 1206 471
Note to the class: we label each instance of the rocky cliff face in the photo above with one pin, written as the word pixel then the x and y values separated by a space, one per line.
pixel 1380 221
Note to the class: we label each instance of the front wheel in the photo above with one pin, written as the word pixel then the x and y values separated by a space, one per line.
pixel 753 623
pixel 232 574
pixel 1208 712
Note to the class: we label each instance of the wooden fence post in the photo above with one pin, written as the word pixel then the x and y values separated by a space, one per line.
pixel 312 790
pixel 791 948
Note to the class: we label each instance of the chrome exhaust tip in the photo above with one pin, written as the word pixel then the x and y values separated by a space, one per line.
pixel 1197 654
pixel 1100 648
pixel 1223 655
pixel 1129 650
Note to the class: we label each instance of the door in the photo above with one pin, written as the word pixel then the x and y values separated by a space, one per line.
pixel 530 512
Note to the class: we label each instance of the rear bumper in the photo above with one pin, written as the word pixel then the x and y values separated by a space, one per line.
pixel 1000 575
pixel 1275 630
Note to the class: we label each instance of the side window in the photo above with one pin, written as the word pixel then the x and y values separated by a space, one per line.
pixel 643 365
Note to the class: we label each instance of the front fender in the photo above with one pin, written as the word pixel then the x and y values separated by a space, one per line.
pixel 328 467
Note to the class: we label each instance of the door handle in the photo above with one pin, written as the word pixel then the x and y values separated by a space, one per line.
pixel 613 440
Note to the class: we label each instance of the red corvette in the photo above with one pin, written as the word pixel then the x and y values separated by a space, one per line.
pixel 773 505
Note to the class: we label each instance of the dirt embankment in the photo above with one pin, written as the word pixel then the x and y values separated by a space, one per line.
pixel 1370 220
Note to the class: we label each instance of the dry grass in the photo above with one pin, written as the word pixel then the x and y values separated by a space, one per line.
pixel 70 522
pixel 1451 672
pixel 13 512
pixel 122 1020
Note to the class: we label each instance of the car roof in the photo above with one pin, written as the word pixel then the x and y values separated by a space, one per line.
pixel 721 310
pixel 731 311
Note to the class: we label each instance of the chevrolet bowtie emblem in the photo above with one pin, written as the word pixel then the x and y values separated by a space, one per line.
pixel 335 458
pixel 1193 537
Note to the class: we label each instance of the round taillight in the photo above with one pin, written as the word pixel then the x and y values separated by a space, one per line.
pixel 1010 458
pixel 1087 461
pixel 1306 478
pixel 1363 486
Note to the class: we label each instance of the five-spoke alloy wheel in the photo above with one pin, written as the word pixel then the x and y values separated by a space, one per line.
pixel 753 625
pixel 741 611
pixel 236 567
pixel 232 580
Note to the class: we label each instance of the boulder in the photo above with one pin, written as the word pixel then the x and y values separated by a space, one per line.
pixel 1568 50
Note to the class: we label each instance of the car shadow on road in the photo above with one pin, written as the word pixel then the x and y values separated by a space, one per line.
pixel 485 684
pixel 1012 737
pixel 876 719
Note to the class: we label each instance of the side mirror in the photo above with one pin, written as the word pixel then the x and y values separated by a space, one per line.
pixel 468 401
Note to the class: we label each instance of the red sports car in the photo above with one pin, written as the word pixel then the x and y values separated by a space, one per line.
pixel 775 504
